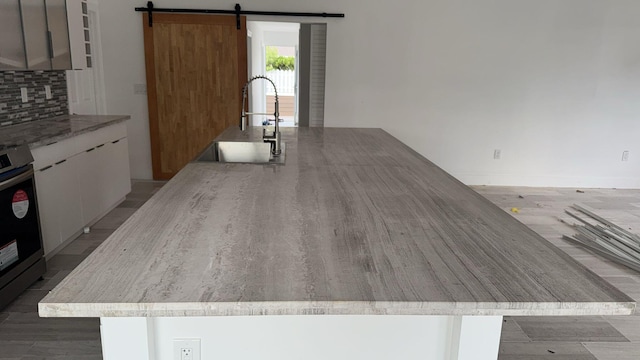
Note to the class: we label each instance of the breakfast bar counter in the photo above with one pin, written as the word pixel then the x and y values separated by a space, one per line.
pixel 356 248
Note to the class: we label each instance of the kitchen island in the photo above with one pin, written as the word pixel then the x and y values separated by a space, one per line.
pixel 356 248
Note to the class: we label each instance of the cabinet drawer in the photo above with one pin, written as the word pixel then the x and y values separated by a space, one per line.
pixel 101 136
pixel 64 149
pixel 51 154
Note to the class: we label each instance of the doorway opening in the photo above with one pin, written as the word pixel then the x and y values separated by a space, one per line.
pixel 281 69
pixel 273 52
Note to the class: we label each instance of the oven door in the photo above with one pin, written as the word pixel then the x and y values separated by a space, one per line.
pixel 20 240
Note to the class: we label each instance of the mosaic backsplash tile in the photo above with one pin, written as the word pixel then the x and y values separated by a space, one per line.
pixel 14 111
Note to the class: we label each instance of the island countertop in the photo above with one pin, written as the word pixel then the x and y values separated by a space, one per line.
pixel 355 222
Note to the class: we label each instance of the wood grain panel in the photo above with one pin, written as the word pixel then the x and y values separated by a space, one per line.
pixel 196 67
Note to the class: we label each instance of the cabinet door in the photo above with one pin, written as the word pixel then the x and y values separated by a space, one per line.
pixel 59 33
pixel 103 177
pixel 59 203
pixel 78 38
pixel 46 190
pixel 90 180
pixel 116 168
pixel 34 23
pixel 82 91
pixel 68 199
pixel 12 55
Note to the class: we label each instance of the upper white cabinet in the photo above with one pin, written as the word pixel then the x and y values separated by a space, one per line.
pixel 12 54
pixel 79 40
pixel 42 35
pixel 36 34
pixel 59 46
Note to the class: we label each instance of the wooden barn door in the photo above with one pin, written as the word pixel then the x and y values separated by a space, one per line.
pixel 196 67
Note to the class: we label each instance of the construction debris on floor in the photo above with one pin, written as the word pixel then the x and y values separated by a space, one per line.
pixel 605 238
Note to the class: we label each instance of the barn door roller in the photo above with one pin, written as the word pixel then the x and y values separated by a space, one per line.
pixel 150 9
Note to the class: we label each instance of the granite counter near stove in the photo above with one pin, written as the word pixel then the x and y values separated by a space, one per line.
pixel 44 132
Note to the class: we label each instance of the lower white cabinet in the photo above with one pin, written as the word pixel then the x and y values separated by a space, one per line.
pixel 117 165
pixel 46 190
pixel 88 176
pixel 90 183
pixel 58 203
pixel 70 207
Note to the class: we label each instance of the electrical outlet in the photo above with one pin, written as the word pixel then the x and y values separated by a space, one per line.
pixel 497 154
pixel 23 93
pixel 47 92
pixel 625 155
pixel 186 349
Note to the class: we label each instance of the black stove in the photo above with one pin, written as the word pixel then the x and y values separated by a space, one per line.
pixel 21 253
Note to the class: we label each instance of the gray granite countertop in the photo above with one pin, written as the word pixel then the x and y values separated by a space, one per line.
pixel 43 132
pixel 355 222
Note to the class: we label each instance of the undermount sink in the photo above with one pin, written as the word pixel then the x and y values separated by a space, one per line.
pixel 241 152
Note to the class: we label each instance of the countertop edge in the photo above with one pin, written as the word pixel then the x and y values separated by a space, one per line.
pixel 333 308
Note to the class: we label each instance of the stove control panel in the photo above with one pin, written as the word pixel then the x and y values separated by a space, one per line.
pixel 4 161
pixel 14 157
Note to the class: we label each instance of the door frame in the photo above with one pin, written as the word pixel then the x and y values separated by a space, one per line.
pixel 97 60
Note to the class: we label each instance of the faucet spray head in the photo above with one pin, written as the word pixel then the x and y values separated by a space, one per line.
pixel 243 115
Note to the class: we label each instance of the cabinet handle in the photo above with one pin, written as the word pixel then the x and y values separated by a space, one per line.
pixel 115 142
pixel 61 161
pixel 50 41
pixel 99 146
pixel 46 168
pixel 90 150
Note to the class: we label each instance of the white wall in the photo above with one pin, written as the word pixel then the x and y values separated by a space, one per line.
pixel 553 84
pixel 281 38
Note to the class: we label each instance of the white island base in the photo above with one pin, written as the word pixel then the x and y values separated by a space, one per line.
pixel 309 337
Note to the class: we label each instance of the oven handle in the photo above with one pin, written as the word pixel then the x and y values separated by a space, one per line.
pixel 17 179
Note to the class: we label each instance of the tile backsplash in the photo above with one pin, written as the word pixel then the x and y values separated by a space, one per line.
pixel 14 111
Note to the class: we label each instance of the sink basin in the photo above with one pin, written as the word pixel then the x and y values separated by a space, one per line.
pixel 240 152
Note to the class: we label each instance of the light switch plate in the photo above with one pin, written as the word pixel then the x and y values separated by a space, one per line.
pixel 23 93
pixel 47 92
pixel 140 89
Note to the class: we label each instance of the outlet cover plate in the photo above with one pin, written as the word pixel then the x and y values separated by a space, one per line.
pixel 625 155
pixel 193 344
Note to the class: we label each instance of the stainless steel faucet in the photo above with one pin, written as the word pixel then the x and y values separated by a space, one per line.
pixel 274 138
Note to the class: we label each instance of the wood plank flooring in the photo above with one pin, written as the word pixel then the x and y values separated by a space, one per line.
pixel 574 338
pixel 25 336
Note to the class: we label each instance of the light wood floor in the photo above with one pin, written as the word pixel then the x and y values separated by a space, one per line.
pixel 23 335
pixel 573 338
